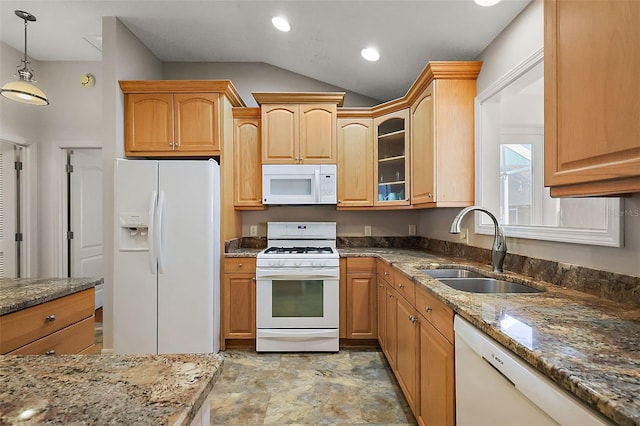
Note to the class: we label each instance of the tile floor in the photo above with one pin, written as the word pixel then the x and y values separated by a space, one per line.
pixel 351 387
pixel 346 388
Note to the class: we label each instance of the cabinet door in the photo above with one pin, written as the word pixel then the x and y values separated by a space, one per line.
pixel 148 122
pixel 280 134
pixel 318 133
pixel 196 123
pixel 390 152
pixel 391 321
pixel 423 161
pixel 437 380
pixel 382 317
pixel 247 169
pixel 239 305
pixel 407 356
pixel 361 306
pixel 591 108
pixel 355 162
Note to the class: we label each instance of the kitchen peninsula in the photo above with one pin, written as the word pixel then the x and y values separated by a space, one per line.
pixel 53 316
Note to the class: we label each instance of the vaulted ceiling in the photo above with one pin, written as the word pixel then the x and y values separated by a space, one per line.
pixel 324 43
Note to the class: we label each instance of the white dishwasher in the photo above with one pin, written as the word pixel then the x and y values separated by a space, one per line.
pixel 494 387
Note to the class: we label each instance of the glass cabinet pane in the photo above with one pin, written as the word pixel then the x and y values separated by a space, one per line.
pixel 391 158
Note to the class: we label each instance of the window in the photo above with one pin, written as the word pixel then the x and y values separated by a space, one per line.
pixel 510 168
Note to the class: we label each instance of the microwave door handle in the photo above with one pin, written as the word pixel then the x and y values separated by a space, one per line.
pixel 317 173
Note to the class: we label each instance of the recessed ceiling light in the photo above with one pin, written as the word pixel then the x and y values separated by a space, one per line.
pixel 370 54
pixel 281 23
pixel 487 2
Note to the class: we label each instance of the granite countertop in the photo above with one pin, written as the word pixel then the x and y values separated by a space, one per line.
pixel 105 389
pixel 588 345
pixel 21 293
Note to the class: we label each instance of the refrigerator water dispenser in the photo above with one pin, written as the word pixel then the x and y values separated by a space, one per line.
pixel 134 231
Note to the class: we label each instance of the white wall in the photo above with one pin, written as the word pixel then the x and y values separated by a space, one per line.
pixel 124 57
pixel 248 77
pixel 517 42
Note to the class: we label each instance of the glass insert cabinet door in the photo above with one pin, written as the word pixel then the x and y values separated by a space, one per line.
pixel 297 299
pixel 391 153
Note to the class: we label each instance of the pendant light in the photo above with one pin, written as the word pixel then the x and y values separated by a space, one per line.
pixel 23 89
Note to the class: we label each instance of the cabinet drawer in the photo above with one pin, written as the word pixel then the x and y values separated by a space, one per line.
pixel 436 312
pixel 361 264
pixel 405 286
pixel 239 265
pixel 30 324
pixel 70 340
pixel 385 271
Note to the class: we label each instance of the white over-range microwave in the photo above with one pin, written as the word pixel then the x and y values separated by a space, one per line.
pixel 299 184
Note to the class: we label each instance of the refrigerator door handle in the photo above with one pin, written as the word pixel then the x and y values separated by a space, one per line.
pixel 151 232
pixel 159 239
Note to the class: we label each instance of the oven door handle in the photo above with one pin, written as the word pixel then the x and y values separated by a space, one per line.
pixel 296 275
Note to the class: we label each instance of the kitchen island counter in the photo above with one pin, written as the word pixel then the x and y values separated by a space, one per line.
pixel 107 389
pixel 21 293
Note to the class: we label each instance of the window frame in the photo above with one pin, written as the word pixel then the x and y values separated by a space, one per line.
pixel 612 233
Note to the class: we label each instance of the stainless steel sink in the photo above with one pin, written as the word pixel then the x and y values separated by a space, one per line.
pixel 487 285
pixel 451 273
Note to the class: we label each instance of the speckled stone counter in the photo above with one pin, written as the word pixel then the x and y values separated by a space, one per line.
pixel 588 345
pixel 105 389
pixel 21 293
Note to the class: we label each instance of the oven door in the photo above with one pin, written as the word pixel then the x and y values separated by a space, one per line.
pixel 296 299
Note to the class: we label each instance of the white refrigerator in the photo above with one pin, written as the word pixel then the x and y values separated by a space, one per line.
pixel 167 257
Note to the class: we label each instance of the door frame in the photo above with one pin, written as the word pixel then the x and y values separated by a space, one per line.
pixel 28 208
pixel 62 220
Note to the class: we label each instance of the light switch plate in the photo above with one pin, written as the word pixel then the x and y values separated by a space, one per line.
pixel 412 229
pixel 253 230
pixel 367 231
pixel 464 235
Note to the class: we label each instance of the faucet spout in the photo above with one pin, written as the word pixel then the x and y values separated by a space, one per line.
pixel 499 249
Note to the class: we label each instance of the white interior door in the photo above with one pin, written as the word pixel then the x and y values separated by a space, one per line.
pixel 86 215
pixel 8 210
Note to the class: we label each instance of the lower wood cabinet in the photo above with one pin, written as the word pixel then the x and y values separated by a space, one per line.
pixel 408 332
pixel 361 298
pixel 61 326
pixel 239 299
pixel 437 363
pixel 437 379
pixel 415 332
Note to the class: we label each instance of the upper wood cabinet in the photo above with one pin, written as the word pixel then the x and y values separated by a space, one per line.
pixel 247 170
pixel 355 162
pixel 592 63
pixel 299 127
pixel 442 136
pixel 391 165
pixel 175 118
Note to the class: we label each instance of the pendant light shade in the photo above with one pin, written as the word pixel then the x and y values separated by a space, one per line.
pixel 23 89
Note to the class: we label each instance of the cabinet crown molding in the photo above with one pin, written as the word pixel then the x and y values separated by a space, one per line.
pixel 224 87
pixel 299 97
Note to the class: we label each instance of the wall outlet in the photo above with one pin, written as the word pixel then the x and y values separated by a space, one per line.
pixel 464 235
pixel 367 231
pixel 412 230
pixel 253 230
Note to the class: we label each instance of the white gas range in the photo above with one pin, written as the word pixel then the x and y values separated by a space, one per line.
pixel 297 288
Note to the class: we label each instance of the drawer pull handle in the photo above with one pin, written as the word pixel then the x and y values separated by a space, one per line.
pixel 51 318
pixel 413 319
pixel 50 352
pixel 390 296
pixel 239 265
pixel 386 273
pixel 401 285
pixel 428 308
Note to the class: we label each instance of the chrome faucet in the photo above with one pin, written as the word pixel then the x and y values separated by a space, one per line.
pixel 499 249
